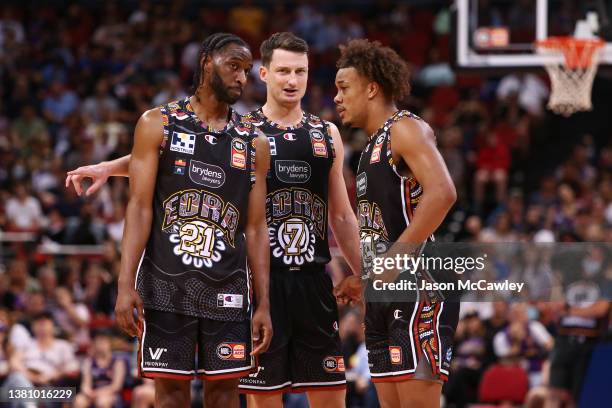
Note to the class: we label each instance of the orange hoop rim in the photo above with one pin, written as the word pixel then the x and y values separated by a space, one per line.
pixel 578 52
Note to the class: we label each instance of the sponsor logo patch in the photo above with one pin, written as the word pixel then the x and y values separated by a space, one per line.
pixel 272 146
pixel 333 364
pixel 292 171
pixel 229 300
pixel 289 136
pixel 317 140
pixel 156 353
pixel 183 143
pixel 231 351
pixel 362 184
pixel 179 167
pixel 377 148
pixel 206 174
pixel 211 139
pixel 395 354
pixel 238 158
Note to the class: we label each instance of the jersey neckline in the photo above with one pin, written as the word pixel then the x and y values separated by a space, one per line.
pixel 231 118
pixel 269 122
pixel 385 125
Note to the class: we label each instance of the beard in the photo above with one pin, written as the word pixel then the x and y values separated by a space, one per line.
pixel 220 89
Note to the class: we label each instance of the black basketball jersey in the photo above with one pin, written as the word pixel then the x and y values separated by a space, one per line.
pixel 296 206
pixel 195 260
pixel 386 200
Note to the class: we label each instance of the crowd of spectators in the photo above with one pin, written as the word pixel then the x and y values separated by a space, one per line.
pixel 74 80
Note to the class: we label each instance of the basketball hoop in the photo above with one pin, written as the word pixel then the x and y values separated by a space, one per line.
pixel 572 76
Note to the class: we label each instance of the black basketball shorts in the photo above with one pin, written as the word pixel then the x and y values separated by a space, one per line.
pixel 305 353
pixel 401 336
pixel 183 347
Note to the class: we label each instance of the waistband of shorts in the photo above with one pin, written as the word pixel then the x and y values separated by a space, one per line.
pixel 299 269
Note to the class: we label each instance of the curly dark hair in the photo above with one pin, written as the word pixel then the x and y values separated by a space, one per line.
pixel 379 64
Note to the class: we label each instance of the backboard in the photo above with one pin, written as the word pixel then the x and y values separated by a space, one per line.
pixel 501 33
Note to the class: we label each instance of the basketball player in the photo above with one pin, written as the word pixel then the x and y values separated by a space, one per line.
pixel 404 192
pixel 187 234
pixel 306 191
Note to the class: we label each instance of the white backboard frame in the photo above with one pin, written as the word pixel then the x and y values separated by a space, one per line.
pixel 469 58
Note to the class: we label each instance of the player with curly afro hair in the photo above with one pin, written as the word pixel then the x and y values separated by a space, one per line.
pixel 379 64
pixel 404 192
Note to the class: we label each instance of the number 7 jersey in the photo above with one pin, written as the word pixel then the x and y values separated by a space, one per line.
pixel 195 259
pixel 301 157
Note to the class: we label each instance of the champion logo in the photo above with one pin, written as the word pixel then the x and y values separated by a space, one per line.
pixel 289 136
pixel 211 139
pixel 397 314
pixel 156 355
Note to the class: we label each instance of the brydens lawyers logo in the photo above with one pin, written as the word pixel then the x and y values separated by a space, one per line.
pixel 183 143
pixel 179 167
pixel 333 364
pixel 231 351
pixel 395 354
pixel 292 171
pixel 206 174
pixel 362 184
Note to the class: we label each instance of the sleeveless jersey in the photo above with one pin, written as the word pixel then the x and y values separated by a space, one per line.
pixel 296 206
pixel 195 260
pixel 386 200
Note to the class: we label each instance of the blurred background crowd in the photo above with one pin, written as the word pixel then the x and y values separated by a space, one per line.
pixel 75 77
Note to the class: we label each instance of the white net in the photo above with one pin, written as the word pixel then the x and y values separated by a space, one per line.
pixel 572 77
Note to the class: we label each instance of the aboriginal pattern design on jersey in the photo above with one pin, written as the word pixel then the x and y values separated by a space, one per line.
pixel 301 157
pixel 386 199
pixel 196 250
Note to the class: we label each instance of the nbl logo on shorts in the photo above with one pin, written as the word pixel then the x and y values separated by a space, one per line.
pixel 333 364
pixel 231 351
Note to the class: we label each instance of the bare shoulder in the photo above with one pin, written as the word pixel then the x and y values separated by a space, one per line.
pixel 150 126
pixel 151 119
pixel 409 132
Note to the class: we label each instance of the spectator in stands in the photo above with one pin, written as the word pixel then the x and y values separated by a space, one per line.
pixel 524 341
pixel 492 165
pixel 48 360
pixel 23 211
pixel 468 362
pixel 102 375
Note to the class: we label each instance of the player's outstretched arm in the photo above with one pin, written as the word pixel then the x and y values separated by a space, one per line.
pixel 138 217
pixel 258 248
pixel 98 173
